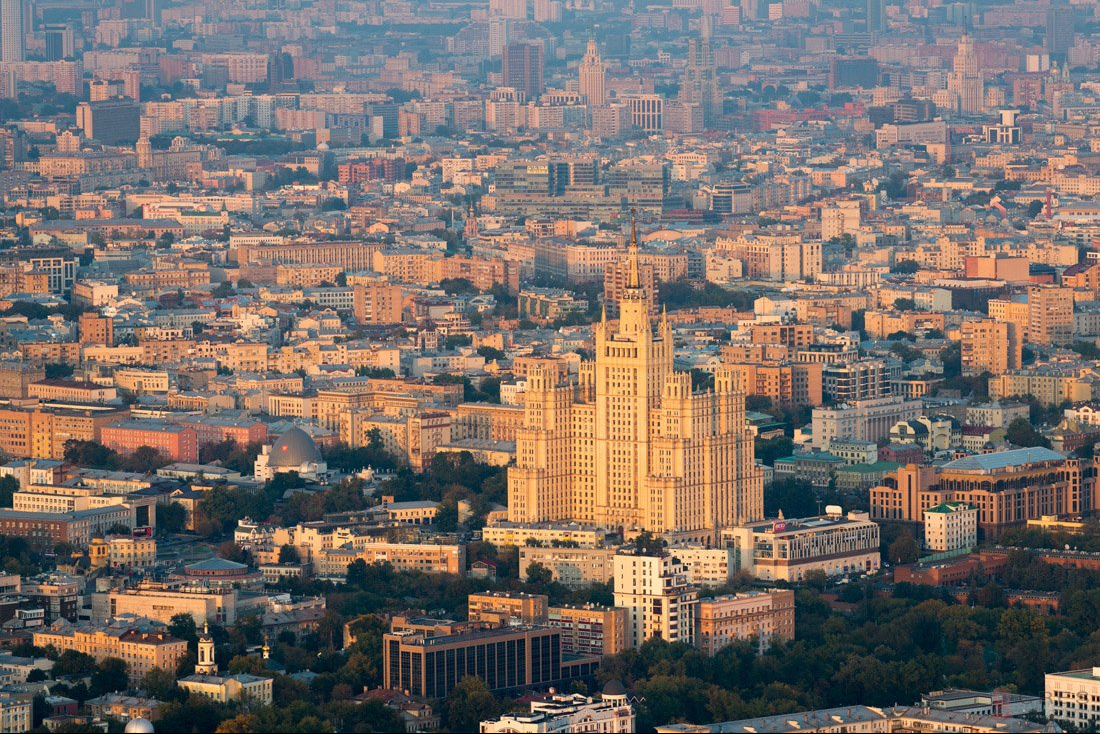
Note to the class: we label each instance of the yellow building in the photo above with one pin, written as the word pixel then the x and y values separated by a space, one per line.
pixel 142 651
pixel 632 445
pixel 990 346
pixel 123 551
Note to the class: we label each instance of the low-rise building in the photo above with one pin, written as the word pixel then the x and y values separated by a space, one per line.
pixel 571 567
pixel 571 712
pixel 766 616
pixel 142 650
pixel 1073 698
pixel 787 550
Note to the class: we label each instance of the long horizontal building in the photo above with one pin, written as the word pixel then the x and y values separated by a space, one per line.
pixel 864 719
pixel 1008 488
pixel 787 550
pixel 142 650
pixel 429 657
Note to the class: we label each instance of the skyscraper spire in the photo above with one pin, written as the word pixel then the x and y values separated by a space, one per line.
pixel 635 280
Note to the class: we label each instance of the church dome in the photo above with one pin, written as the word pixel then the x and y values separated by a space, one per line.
pixel 294 448
pixel 139 726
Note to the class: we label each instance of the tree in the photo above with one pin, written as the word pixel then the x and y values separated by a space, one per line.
pixel 289 554
pixel 91 455
pixel 9 485
pixel 171 518
pixel 182 627
pixel 539 575
pixel 110 676
pixel 1034 208
pixel 770 449
pixel 144 459
pixel 470 703
pixel 905 304
pixel 161 685
pixel 904 549
pixel 905 267
pixel 230 551
pixel 222 290
pixel 73 664
pixel 1021 433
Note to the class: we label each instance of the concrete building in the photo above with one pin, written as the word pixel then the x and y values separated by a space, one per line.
pixel 863 420
pixel 659 599
pixel 1073 698
pixel 1007 487
pixel 571 567
pixel 990 346
pixel 623 447
pixel 142 650
pixel 428 657
pixel 571 712
pixel 591 629
pixel 950 526
pixel 1050 315
pixel 110 122
pixel 507 607
pixel 765 616
pixel 787 550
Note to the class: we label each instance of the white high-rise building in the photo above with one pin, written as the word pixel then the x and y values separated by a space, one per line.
pixel 12 41
pixel 656 592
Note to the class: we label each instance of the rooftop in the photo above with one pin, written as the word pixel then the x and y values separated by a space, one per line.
pixel 1003 460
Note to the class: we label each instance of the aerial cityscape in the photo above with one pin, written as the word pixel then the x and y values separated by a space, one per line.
pixel 550 366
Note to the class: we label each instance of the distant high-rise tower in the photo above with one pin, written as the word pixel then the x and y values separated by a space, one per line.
pixel 12 43
pixel 523 68
pixel 593 75
pixel 965 80
pixel 1060 29
pixel 500 30
pixel 875 17
pixel 59 41
pixel 700 83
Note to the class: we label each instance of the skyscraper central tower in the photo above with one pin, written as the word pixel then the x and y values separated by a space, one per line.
pixel 631 444
pixel 593 75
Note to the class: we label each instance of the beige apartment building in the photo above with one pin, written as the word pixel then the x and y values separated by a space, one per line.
pixel 332 563
pixel 571 567
pixel 507 607
pixel 658 596
pixel 1050 315
pixel 990 346
pixel 632 445
pixel 767 616
pixel 787 384
pixel 142 651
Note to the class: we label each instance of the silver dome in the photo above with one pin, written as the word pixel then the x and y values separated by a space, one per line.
pixel 294 448
pixel 139 726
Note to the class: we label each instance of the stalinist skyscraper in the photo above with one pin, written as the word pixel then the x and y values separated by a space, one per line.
pixel 965 80
pixel 593 75
pixel 631 445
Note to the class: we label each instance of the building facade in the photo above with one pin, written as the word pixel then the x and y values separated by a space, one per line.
pixel 632 445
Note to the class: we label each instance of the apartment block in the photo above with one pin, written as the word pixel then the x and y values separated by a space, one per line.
pixel 766 616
